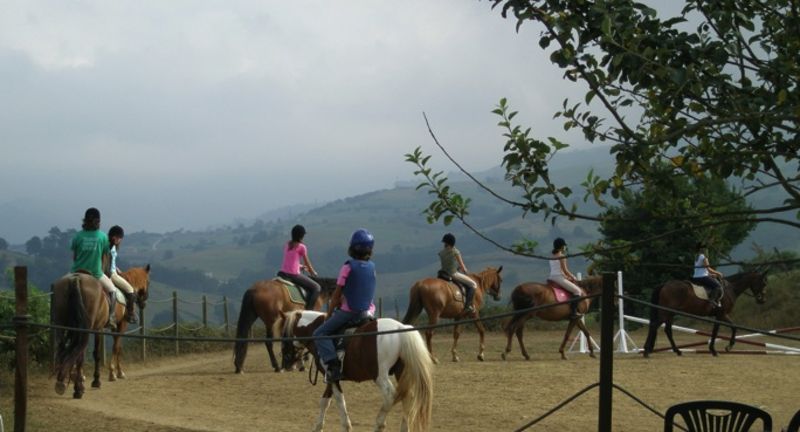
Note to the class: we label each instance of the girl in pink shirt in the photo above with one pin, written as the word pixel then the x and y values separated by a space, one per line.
pixel 293 252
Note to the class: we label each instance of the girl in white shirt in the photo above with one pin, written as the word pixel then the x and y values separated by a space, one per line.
pixel 560 274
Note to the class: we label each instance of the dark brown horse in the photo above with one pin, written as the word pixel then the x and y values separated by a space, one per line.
pixel 372 358
pixel 139 278
pixel 442 299
pixel 679 295
pixel 267 299
pixel 532 294
pixel 78 302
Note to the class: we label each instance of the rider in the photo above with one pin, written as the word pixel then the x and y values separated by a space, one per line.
pixel 451 263
pixel 351 302
pixel 115 236
pixel 293 250
pixel 560 274
pixel 703 275
pixel 88 248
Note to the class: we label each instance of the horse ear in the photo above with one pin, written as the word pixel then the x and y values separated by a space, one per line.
pixel 500 269
pixel 147 268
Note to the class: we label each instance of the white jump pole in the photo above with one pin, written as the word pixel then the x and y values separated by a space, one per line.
pixel 622 337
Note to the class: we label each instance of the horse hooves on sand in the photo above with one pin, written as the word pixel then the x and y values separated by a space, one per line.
pixel 480 357
pixel 61 388
pixel 96 384
pixel 503 356
pixel 77 395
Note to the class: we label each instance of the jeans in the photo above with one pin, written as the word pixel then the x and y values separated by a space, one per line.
pixel 326 349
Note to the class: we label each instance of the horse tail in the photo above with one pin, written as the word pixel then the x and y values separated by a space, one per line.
pixel 247 316
pixel 414 304
pixel 655 321
pixel 519 301
pixel 71 346
pixel 415 383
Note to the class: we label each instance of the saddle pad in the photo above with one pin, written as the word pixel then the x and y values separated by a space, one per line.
pixel 296 295
pixel 700 291
pixel 561 294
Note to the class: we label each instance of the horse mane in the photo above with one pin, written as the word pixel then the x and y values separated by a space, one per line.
pixel 289 321
pixel 483 275
pixel 137 276
pixel 591 283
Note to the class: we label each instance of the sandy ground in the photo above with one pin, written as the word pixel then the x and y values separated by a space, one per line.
pixel 201 392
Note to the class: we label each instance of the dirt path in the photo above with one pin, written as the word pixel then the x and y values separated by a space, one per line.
pixel 201 392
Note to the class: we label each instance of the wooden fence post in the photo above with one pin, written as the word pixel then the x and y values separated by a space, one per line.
pixel 21 326
pixel 52 331
pixel 142 333
pixel 175 321
pixel 205 312
pixel 225 314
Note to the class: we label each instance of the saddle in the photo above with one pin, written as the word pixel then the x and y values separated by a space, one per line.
pixel 350 328
pixel 702 292
pixel 296 294
pixel 461 288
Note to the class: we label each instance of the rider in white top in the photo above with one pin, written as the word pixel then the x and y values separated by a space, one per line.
pixel 560 274
pixel 703 273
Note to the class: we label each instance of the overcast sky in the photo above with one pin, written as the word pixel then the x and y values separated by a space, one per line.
pixel 189 113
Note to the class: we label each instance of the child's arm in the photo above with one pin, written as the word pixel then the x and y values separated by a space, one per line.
pixel 336 299
pixel 461 263
pixel 565 270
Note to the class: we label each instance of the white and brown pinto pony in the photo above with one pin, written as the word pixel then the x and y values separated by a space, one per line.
pixel 372 357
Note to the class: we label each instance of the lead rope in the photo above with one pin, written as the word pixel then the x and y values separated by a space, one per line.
pixel 312 367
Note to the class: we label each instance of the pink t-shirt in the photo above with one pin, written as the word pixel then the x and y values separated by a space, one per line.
pixel 343 273
pixel 291 258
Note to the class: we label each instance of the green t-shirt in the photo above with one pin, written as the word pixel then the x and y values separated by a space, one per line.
pixel 447 256
pixel 88 248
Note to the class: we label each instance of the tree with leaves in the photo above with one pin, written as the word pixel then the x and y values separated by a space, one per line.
pixel 710 92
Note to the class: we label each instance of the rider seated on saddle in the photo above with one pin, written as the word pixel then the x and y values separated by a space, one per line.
pixel 115 236
pixel 451 263
pixel 351 302
pixel 89 246
pixel 293 251
pixel 703 273
pixel 560 274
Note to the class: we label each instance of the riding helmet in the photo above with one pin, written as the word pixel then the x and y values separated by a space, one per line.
pixel 117 231
pixel 298 232
pixel 449 239
pixel 362 239
pixel 559 243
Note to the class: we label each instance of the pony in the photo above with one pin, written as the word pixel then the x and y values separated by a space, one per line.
pixel 532 294
pixel 267 299
pixel 139 278
pixel 439 299
pixel 371 357
pixel 79 302
pixel 679 295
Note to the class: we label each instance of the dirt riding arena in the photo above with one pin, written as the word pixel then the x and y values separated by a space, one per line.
pixel 201 392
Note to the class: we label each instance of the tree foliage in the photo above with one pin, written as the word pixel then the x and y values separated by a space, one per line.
pixel 711 92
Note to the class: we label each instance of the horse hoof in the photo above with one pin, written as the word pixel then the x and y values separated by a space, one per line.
pixel 678 353
pixel 111 378
pixel 480 357
pixel 77 395
pixel 121 376
pixel 727 349
pixel 60 388
pixel 592 355
pixel 456 359
pixel 503 356
pixel 527 357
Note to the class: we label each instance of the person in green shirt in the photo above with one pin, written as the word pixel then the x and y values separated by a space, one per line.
pixel 451 262
pixel 89 246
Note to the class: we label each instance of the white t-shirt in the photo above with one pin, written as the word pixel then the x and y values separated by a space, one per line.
pixel 700 269
pixel 555 267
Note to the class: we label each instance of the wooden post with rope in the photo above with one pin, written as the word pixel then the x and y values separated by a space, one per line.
pixel 21 320
pixel 175 321
pixel 225 314
pixel 142 332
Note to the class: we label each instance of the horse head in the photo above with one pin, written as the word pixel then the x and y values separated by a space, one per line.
pixel 297 324
pixel 139 278
pixel 491 280
pixel 759 286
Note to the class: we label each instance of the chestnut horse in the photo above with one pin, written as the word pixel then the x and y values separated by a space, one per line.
pixel 373 358
pixel 266 299
pixel 139 278
pixel 532 294
pixel 439 299
pixel 679 295
pixel 79 302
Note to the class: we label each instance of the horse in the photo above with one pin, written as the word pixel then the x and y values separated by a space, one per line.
pixel 679 295
pixel 438 298
pixel 139 278
pixel 371 357
pixel 266 299
pixel 79 302
pixel 532 294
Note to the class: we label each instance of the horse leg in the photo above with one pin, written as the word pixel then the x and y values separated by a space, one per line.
pixel 117 350
pixel 510 329
pixel 481 332
pixel 712 342
pixel 324 403
pixel 566 338
pixel 79 388
pixel 668 331
pixel 456 334
pixel 98 339
pixel 652 334
pixel 432 320
pixel 338 396
pixel 387 391
pixel 268 343
pixel 582 327
pixel 521 343
pixel 733 334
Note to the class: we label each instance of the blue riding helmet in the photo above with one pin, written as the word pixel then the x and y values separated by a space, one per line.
pixel 362 238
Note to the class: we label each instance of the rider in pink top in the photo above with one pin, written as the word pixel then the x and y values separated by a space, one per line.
pixel 293 251
pixel 340 281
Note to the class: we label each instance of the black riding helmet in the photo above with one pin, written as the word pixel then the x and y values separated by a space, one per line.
pixel 298 232
pixel 449 239
pixel 559 243
pixel 117 231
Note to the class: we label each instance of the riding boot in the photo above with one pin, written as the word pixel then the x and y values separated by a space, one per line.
pixel 333 371
pixel 112 316
pixel 573 307
pixel 468 307
pixel 130 311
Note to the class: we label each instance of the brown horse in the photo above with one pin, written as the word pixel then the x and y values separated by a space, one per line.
pixel 679 295
pixel 266 299
pixel 441 299
pixel 372 358
pixel 78 302
pixel 532 294
pixel 139 278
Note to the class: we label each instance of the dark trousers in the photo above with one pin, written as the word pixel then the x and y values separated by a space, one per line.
pixel 310 286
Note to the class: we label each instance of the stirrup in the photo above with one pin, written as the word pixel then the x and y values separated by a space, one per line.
pixel 469 309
